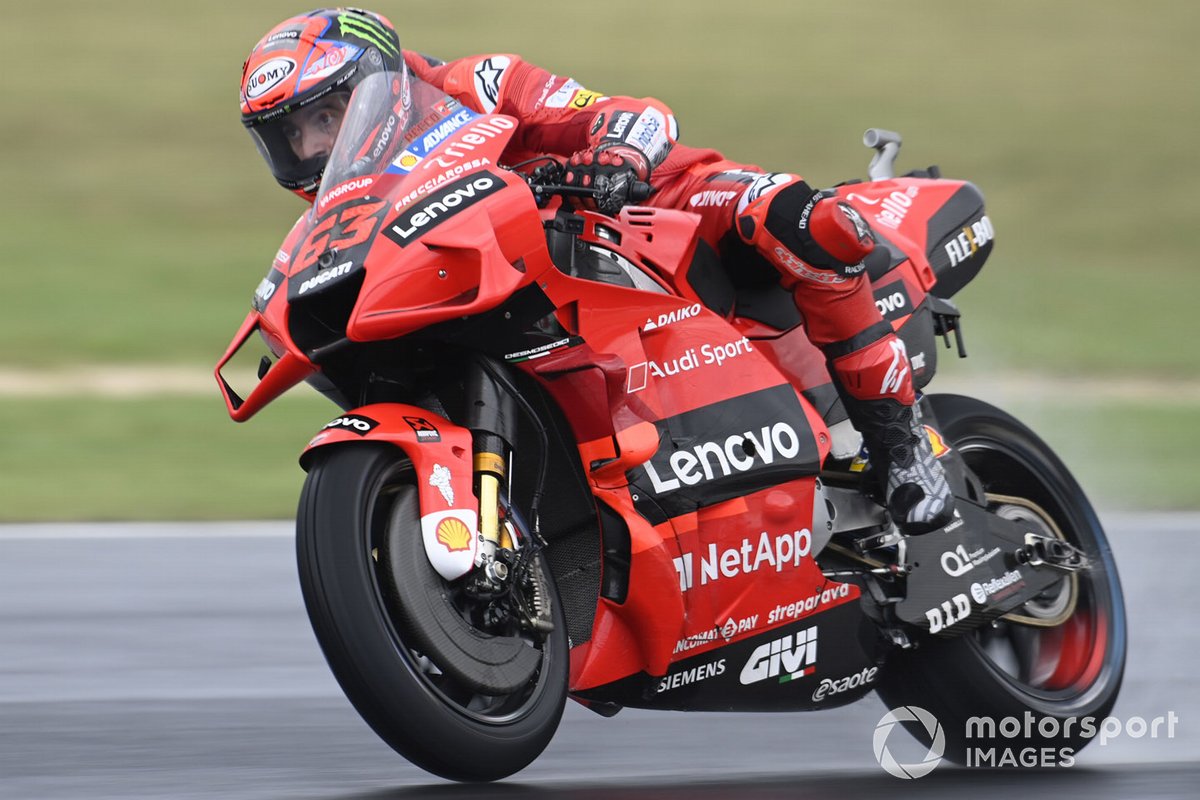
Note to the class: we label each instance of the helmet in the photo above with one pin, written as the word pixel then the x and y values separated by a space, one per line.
pixel 302 72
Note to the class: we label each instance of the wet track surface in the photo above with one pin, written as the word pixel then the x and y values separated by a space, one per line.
pixel 176 661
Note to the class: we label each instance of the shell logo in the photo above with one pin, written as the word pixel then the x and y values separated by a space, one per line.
pixel 940 448
pixel 453 534
pixel 407 161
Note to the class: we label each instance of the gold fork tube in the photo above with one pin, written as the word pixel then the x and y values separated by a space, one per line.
pixel 490 468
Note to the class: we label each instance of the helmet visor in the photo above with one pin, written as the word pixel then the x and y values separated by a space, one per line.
pixel 297 145
pixel 380 113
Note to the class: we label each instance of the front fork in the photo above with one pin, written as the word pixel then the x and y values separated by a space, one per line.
pixel 492 419
pixel 490 471
pixel 502 570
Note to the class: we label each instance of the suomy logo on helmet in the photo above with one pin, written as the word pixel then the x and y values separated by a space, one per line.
pixel 268 76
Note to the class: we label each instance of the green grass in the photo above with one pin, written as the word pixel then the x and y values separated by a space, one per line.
pixel 151 460
pixel 1126 455
pixel 148 460
pixel 141 218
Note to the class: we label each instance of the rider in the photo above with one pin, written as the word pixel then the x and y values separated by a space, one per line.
pixel 295 87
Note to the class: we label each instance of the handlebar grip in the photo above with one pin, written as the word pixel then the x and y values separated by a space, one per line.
pixel 640 191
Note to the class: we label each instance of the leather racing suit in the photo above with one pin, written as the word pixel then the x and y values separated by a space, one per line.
pixel 744 211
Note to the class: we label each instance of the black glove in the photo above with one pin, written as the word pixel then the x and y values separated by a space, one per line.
pixel 617 173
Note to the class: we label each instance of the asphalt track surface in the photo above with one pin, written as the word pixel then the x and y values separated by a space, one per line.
pixel 176 661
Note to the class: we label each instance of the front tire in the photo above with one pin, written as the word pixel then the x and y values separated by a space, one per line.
pixel 353 500
pixel 1060 656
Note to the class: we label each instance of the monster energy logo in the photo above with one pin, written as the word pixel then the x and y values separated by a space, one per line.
pixel 368 30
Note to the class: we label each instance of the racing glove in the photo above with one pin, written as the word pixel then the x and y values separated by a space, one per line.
pixel 617 174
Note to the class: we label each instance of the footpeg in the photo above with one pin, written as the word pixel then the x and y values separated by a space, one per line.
pixel 1040 550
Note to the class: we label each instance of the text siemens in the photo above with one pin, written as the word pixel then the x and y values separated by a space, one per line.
pixel 693 675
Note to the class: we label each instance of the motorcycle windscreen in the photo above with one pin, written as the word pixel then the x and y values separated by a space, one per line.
pixel 387 112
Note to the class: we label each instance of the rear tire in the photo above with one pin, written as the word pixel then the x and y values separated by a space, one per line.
pixel 1041 663
pixel 351 499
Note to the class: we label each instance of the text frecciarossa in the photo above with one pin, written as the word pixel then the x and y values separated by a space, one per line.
pixel 433 183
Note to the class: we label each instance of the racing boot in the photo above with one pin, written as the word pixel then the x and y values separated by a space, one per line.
pixel 876 387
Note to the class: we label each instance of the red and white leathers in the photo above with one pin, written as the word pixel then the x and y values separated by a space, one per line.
pixel 738 204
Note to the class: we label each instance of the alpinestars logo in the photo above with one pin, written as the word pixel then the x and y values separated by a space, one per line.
pixel 488 74
pixel 792 657
pixel 894 379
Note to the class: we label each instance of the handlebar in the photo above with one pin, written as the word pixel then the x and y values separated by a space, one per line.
pixel 545 181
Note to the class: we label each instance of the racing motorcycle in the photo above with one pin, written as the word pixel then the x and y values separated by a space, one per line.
pixel 576 456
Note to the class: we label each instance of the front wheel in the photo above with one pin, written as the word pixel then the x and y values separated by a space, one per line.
pixel 1061 655
pixel 387 624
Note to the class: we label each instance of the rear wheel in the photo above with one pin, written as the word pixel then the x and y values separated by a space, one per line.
pixel 456 684
pixel 1060 655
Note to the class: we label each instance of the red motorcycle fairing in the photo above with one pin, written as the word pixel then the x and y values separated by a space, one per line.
pixel 440 452
pixel 347 244
pixel 455 267
pixel 940 226
pixel 688 429
pixel 826 655
pixel 693 437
